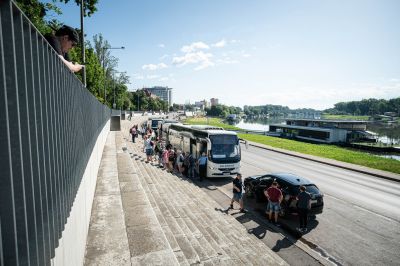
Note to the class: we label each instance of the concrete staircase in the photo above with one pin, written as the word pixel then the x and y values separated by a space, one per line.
pixel 170 221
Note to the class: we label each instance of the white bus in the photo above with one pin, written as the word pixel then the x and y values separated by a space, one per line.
pixel 222 147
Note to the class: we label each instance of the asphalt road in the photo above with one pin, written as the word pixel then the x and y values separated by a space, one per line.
pixel 360 224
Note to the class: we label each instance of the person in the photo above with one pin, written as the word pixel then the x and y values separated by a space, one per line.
pixel 171 159
pixel 274 195
pixel 165 157
pixel 64 39
pixel 148 146
pixel 158 149
pixel 202 163
pixel 143 131
pixel 303 206
pixel 133 133
pixel 237 192
pixel 186 164
pixel 180 159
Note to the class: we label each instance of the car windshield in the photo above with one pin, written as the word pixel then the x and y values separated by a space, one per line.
pixel 224 146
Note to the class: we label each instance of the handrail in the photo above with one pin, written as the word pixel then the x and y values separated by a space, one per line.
pixel 49 126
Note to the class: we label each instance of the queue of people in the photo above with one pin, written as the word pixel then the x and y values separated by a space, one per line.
pixel 167 156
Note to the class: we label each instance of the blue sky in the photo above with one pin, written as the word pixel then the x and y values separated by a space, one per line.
pixel 295 53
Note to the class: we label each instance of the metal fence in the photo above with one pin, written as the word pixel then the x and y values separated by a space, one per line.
pixel 49 124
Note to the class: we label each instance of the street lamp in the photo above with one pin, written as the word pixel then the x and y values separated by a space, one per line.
pixel 104 68
pixel 115 84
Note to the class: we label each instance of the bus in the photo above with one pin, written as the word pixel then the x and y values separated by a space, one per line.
pixel 153 123
pixel 222 147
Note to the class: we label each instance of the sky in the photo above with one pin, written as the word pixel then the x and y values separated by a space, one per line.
pixel 300 54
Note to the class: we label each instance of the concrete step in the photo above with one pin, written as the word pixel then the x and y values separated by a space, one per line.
pixel 191 222
pixel 147 242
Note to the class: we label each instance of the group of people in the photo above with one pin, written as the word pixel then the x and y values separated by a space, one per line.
pixel 275 197
pixel 169 157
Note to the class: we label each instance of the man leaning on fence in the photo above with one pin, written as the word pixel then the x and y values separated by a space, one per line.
pixel 64 39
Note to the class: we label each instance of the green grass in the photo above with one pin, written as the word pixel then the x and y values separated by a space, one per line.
pixel 328 151
pixel 346 117
pixel 210 121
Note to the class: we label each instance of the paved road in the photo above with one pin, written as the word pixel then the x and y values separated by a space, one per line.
pixel 360 224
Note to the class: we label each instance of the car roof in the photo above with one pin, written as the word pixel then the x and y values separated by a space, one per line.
pixel 291 178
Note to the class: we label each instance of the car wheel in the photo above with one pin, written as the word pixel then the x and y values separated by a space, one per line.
pixel 284 210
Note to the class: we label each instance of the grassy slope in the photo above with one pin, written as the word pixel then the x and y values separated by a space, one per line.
pixel 321 150
pixel 346 117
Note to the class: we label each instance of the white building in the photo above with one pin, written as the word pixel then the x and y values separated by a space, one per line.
pixel 164 93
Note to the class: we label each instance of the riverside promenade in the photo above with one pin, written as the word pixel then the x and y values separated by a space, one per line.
pixel 142 215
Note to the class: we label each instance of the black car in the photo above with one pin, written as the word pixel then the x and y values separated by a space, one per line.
pixel 290 186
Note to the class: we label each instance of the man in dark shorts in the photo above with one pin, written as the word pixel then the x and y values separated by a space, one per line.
pixel 202 163
pixel 303 206
pixel 237 192
pixel 274 195
pixel 64 39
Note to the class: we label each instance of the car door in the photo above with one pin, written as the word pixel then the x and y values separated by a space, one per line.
pixel 265 182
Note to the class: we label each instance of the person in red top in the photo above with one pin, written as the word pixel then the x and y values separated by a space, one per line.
pixel 274 195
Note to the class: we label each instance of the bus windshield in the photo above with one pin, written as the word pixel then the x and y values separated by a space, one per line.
pixel 224 146
pixel 154 123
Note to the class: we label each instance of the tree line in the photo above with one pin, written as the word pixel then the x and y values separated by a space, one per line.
pixel 274 110
pixel 366 107
pixel 103 79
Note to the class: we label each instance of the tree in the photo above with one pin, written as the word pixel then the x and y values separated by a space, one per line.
pixel 37 10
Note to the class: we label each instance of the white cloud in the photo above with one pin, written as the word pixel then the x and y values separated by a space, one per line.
pixel 195 46
pixel 226 60
pixel 154 67
pixel 234 41
pixel 202 59
pixel 161 45
pixel 152 76
pixel 220 44
pixel 245 55
pixel 163 57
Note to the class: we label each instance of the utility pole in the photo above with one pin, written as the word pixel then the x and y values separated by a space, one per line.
pixel 83 46
pixel 104 67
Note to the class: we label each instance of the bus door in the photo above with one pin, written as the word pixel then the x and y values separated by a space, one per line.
pixel 193 148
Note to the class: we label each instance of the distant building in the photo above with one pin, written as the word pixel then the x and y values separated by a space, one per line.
pixel 201 104
pixel 164 93
pixel 324 131
pixel 214 101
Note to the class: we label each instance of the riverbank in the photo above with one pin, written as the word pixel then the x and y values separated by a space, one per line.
pixel 320 150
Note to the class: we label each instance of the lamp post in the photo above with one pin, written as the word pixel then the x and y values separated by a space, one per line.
pixel 83 45
pixel 104 67
pixel 115 84
pixel 137 94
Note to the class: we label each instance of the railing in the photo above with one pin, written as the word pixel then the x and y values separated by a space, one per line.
pixel 49 124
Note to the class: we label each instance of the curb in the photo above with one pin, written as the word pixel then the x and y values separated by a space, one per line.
pixel 382 175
